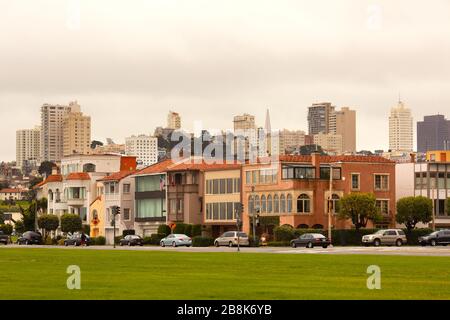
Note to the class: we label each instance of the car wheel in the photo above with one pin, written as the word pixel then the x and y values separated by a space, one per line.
pixel 294 245
pixel 216 244
pixel 399 243
pixel 75 244
pixel 230 244
pixel 377 243
pixel 163 244
pixel 66 244
pixel 324 247
pixel 129 244
pixel 27 242
pixel 174 244
pixel 423 244
pixel 121 244
pixel 310 245
pixel 433 243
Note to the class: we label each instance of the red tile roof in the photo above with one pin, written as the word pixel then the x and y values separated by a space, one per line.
pixel 117 176
pixel 203 166
pixel 12 191
pixel 78 176
pixel 54 178
pixel 159 167
pixel 344 158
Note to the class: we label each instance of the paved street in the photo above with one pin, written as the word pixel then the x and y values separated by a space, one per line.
pixel 402 251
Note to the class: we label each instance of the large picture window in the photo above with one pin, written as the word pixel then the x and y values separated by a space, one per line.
pixel 150 208
pixel 303 204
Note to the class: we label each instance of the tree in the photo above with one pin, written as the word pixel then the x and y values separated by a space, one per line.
pixel 71 223
pixel 360 208
pixel 95 144
pixel 48 222
pixel 29 218
pixel 412 210
pixel 312 148
pixel 6 228
pixel 2 217
pixel 46 168
pixel 19 226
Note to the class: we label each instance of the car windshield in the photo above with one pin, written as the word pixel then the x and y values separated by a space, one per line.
pixel 380 232
pixel 318 236
pixel 434 233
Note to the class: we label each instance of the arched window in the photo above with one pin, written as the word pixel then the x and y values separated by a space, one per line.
pixel 94 215
pixel 269 204
pixel 251 204
pixel 303 204
pixel 302 226
pixel 318 227
pixel 276 204
pixel 50 195
pixel 334 204
pixel 57 196
pixel 263 204
pixel 289 203
pixel 257 204
pixel 89 167
pixel 282 203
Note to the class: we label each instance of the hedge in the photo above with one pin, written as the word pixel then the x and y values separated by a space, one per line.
pixel 196 230
pixel 413 236
pixel 164 229
pixel 98 241
pixel 278 244
pixel 180 228
pixel 154 239
pixel 6 228
pixel 202 242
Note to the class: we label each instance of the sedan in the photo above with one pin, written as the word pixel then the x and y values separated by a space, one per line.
pixel 309 240
pixel 29 238
pixel 132 240
pixel 436 238
pixel 75 240
pixel 176 240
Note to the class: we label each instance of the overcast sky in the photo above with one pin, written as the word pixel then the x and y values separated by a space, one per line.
pixel 129 62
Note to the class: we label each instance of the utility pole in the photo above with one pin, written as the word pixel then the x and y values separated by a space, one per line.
pixel 115 212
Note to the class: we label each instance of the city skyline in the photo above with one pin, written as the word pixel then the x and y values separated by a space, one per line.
pixel 353 54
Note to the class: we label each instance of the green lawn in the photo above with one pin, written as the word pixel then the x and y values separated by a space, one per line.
pixel 41 274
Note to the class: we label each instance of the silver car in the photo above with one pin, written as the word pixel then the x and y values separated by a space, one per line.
pixel 388 237
pixel 176 240
pixel 230 239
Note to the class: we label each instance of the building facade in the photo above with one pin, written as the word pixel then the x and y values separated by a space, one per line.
pixel 319 116
pixel 433 133
pixel 401 128
pixel 173 121
pixel 330 143
pixel 144 147
pixel 290 139
pixel 76 132
pixel 28 147
pixel 343 123
pixel 296 189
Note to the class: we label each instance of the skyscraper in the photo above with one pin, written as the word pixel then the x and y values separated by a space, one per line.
pixel 144 147
pixel 28 150
pixel 343 122
pixel 319 115
pixel 52 131
pixel 433 133
pixel 401 129
pixel 173 121
pixel 76 131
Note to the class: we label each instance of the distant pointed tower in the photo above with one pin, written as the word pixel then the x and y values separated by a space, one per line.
pixel 268 127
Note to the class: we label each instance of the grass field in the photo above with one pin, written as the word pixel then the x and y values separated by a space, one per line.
pixel 41 274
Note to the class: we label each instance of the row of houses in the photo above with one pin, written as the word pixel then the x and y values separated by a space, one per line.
pixel 294 190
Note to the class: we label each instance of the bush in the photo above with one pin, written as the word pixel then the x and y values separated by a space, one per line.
pixel 98 241
pixel 188 230
pixel 349 237
pixel 48 241
pixel 128 233
pixel 154 239
pixel 60 242
pixel 86 229
pixel 283 234
pixel 6 228
pixel 254 244
pixel 164 229
pixel 48 222
pixel 413 235
pixel 117 239
pixel 71 223
pixel 180 228
pixel 278 244
pixel 196 230
pixel 202 242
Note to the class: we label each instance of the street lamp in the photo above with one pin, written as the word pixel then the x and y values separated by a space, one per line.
pixel 330 201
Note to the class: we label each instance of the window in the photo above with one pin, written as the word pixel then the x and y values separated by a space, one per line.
pixel 334 204
pixel 254 177
pixel 229 186
pixel 289 203
pixel 325 173
pixel 383 206
pixel 215 186
pixel 282 203
pixel 257 204
pixel 303 204
pixel 301 172
pixel 126 188
pixel 276 204
pixel 151 208
pixel 229 210
pixel 148 183
pixel 222 185
pixel 381 182
pixel 355 181
pixel 126 214
pixel 248 175
pixel 263 204
pixel 180 206
pixel 269 204
pixel 173 206
pixel 251 204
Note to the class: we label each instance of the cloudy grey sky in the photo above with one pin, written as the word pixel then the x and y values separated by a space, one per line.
pixel 129 62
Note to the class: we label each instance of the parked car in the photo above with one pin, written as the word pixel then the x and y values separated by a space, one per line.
pixel 132 240
pixel 230 239
pixel 176 240
pixel 387 237
pixel 441 237
pixel 4 238
pixel 30 238
pixel 310 240
pixel 75 240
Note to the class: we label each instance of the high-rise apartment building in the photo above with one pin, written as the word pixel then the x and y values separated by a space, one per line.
pixel 173 121
pixel 291 139
pixel 76 131
pixel 330 143
pixel 433 133
pixel 28 147
pixel 401 129
pixel 244 122
pixel 52 131
pixel 343 122
pixel 144 147
pixel 319 115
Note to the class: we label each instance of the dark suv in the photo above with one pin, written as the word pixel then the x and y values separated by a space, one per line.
pixel 436 238
pixel 4 238
pixel 29 238
pixel 75 240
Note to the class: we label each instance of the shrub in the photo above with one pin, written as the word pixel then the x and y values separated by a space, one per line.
pixel 71 223
pixel 278 244
pixel 202 242
pixel 98 241
pixel 253 243
pixel 6 228
pixel 60 242
pixel 283 233
pixel 48 222
pixel 413 235
pixel 48 241
pixel 19 227
pixel 188 230
pixel 180 228
pixel 128 233
pixel 117 239
pixel 196 230
pixel 164 229
pixel 86 229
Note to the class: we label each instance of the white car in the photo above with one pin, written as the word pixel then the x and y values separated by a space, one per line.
pixel 176 240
